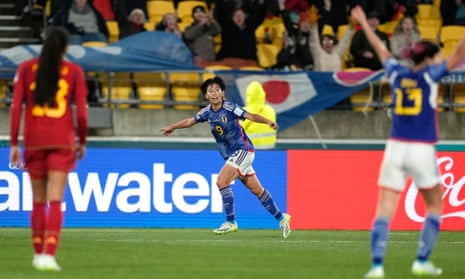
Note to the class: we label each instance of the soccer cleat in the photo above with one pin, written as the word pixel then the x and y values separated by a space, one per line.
pixel 36 261
pixel 285 225
pixel 376 272
pixel 425 269
pixel 226 227
pixel 45 263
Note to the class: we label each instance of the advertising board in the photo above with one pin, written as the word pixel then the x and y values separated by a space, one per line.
pixel 337 189
pixel 148 188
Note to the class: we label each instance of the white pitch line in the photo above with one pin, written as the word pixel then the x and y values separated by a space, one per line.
pixel 287 241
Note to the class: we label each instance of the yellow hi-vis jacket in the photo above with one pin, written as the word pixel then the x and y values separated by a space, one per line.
pixel 261 135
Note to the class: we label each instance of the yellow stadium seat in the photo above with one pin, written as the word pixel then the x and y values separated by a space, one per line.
pixel 3 92
pixel 217 42
pixel 184 11
pixel 385 91
pixel 451 34
pixel 362 101
pixel 267 54
pixel 341 30
pixel 151 87
pixel 150 26
pixel 347 57
pixel 94 44
pixel 428 32
pixel 185 87
pixel 424 11
pixel 121 89
pixel 458 91
pixel 211 71
pixel 156 9
pixel 444 94
pixel 48 8
pixel 429 15
pixel 251 68
pixel 113 30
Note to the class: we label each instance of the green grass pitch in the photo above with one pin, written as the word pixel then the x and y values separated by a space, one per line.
pixel 198 253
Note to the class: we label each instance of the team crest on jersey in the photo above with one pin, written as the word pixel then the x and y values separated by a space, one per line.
pixel 224 118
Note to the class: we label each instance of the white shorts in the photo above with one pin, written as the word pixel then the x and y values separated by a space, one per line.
pixel 402 159
pixel 242 161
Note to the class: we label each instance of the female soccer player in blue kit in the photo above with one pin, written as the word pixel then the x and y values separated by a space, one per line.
pixel 410 149
pixel 236 149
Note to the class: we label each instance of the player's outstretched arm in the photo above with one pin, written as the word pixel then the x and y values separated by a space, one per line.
pixel 457 56
pixel 185 123
pixel 260 119
pixel 358 14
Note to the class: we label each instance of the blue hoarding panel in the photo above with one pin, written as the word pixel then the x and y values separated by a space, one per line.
pixel 149 188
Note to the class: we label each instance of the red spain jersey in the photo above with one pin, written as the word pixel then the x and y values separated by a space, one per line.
pixel 49 127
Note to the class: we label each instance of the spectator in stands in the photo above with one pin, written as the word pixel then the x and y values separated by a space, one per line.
pixel 385 9
pixel 169 23
pixel 448 9
pixel 405 35
pixel 83 22
pixel 295 52
pixel 411 6
pixel 327 51
pixel 132 24
pixel 297 6
pixel 460 14
pixel 332 13
pixel 135 4
pixel 55 5
pixel 199 35
pixel 238 42
pixel 362 52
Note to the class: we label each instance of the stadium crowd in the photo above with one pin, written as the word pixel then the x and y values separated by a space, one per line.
pixel 287 35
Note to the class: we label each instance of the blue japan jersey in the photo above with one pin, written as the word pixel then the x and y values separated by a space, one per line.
pixel 414 100
pixel 226 128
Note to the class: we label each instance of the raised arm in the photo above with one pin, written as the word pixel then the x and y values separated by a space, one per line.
pixel 185 123
pixel 380 48
pixel 457 56
pixel 260 119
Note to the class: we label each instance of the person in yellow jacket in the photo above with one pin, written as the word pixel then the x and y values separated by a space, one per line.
pixel 261 135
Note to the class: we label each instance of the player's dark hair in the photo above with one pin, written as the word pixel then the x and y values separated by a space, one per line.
pixel 421 50
pixel 48 72
pixel 215 80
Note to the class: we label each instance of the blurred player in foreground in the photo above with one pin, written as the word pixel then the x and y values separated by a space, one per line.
pixel 236 149
pixel 410 150
pixel 48 85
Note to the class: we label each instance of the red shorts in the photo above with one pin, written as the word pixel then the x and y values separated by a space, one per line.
pixel 38 162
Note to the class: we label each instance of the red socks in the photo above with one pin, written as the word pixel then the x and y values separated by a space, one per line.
pixel 54 222
pixel 46 229
pixel 38 227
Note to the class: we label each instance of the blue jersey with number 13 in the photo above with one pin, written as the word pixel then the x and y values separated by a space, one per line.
pixel 414 100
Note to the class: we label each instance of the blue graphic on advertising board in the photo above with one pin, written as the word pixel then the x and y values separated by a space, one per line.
pixel 149 188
